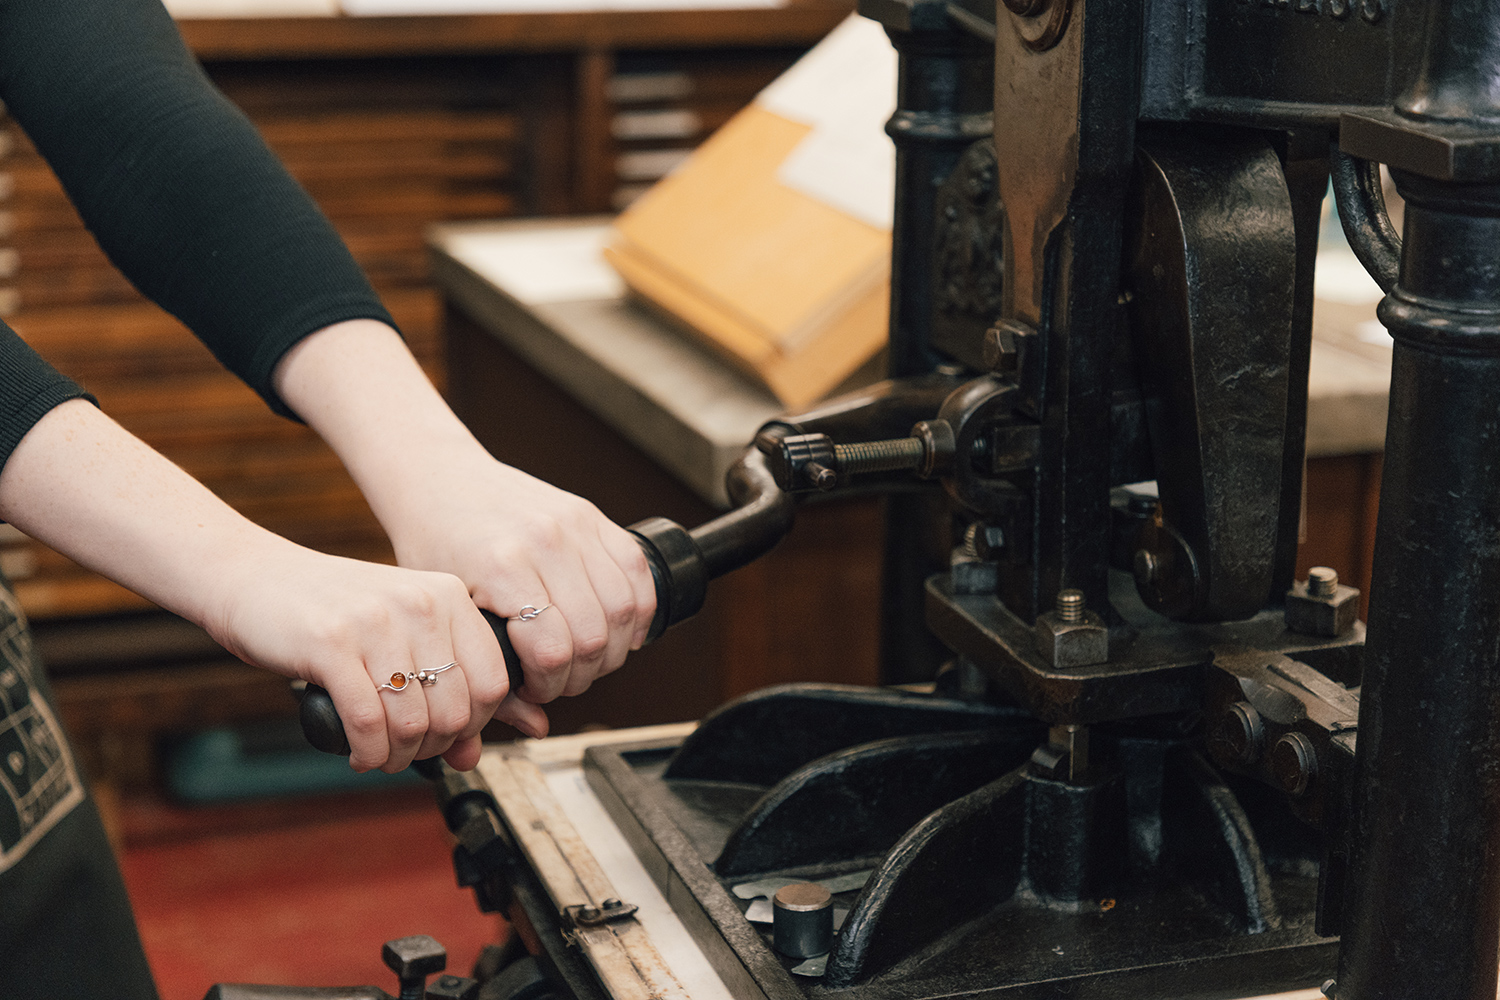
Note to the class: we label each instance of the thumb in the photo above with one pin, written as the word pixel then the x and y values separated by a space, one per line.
pixel 523 715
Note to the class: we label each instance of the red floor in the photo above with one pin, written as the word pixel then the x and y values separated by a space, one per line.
pixel 304 899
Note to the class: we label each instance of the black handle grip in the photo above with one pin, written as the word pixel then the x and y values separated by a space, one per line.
pixel 325 730
pixel 676 570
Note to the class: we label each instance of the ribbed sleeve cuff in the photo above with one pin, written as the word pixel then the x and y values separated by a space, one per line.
pixel 29 388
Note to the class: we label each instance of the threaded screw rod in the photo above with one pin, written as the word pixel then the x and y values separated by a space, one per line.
pixel 879 456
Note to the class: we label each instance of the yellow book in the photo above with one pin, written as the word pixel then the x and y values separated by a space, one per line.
pixel 789 288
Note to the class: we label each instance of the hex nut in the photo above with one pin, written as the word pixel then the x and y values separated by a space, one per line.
pixel 1005 347
pixel 1329 616
pixel 989 542
pixel 973 576
pixel 1072 644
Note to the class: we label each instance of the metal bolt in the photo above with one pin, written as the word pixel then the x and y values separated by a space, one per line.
pixel 1070 605
pixel 820 476
pixel 985 542
pixel 970 546
pixel 1322 581
pixel 1294 763
pixel 453 988
pixel 938 446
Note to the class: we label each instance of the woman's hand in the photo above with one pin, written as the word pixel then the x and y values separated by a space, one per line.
pixel 366 633
pixel 448 506
pixel 520 543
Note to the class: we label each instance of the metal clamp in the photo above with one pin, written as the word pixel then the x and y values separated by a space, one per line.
pixel 607 912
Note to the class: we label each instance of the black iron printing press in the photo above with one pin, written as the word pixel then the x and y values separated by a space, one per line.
pixel 1159 766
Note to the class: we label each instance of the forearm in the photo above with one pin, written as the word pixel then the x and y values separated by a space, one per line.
pixel 83 485
pixel 359 387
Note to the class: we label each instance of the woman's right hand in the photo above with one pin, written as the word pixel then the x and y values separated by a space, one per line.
pixel 362 631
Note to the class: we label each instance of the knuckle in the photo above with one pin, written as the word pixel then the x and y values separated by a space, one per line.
pixel 552 656
pixel 590 646
pixel 408 731
pixel 332 638
pixel 362 719
pixel 550 535
pixel 419 601
pixel 448 722
pixel 635 560
pixel 489 691
pixel 622 615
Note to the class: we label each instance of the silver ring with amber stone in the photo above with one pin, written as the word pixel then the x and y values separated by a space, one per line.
pixel 400 681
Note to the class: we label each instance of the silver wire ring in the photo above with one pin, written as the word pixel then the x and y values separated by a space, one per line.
pixel 528 612
pixel 400 681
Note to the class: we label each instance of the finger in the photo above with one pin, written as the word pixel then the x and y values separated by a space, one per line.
pixel 626 552
pixel 464 754
pixel 578 602
pixel 405 712
pixel 544 643
pixel 447 696
pixel 617 603
pixel 363 713
pixel 523 715
pixel 485 676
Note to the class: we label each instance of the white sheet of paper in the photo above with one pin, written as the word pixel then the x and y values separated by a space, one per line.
pixel 845 88
pixel 538 266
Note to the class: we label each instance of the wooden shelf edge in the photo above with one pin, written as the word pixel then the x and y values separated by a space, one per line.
pixel 800 23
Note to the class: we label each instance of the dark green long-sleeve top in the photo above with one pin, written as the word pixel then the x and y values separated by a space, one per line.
pixel 177 187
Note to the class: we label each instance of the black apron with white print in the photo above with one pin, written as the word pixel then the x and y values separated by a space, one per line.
pixel 66 930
